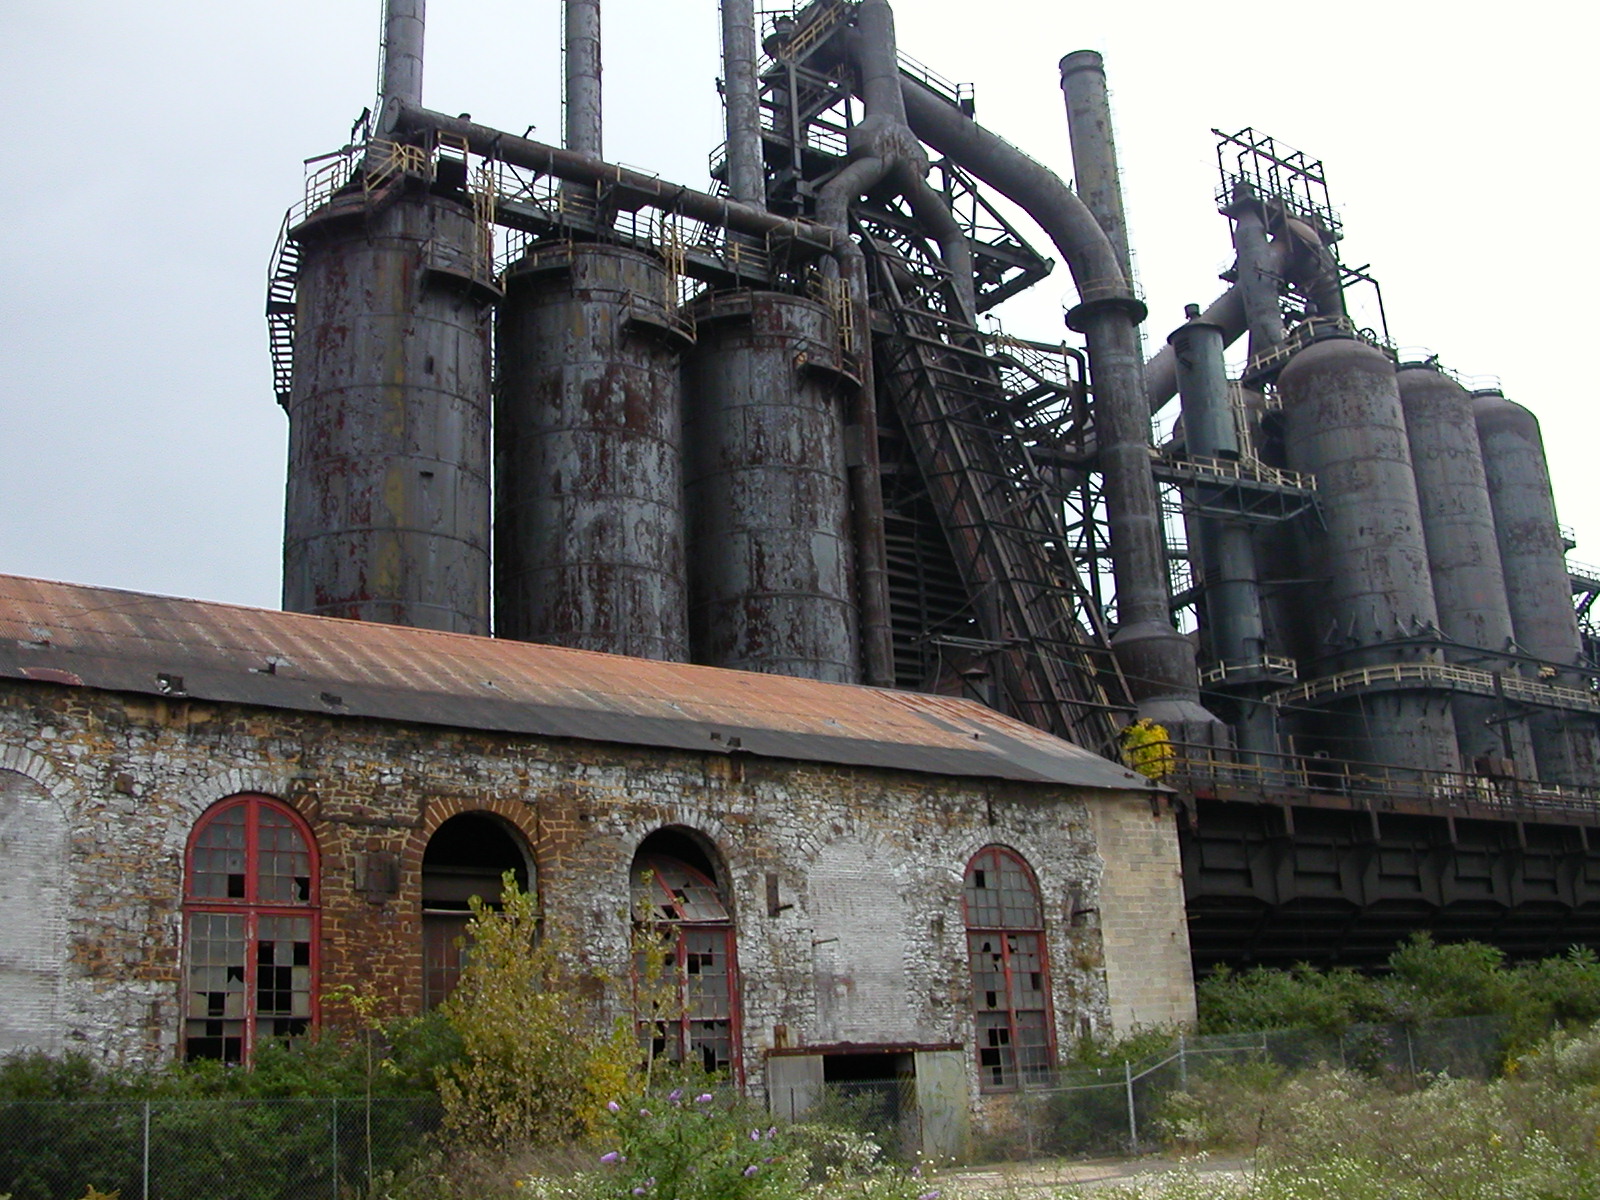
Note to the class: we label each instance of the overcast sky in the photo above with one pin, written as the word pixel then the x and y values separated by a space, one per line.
pixel 150 150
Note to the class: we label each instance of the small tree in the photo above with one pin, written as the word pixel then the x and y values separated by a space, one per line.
pixel 537 1058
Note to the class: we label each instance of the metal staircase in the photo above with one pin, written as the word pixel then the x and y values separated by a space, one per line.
pixel 282 274
pixel 1005 531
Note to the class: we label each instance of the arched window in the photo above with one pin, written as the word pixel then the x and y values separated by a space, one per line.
pixel 1010 971
pixel 467 856
pixel 250 929
pixel 674 886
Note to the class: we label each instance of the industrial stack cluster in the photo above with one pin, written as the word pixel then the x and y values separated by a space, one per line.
pixel 759 427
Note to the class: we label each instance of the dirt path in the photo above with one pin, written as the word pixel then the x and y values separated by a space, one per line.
pixel 1036 1180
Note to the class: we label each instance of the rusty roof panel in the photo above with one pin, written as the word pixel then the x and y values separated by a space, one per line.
pixel 134 642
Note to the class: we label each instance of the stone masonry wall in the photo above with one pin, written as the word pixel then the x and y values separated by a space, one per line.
pixel 1149 980
pixel 865 944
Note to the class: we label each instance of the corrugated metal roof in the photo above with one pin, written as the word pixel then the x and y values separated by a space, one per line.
pixel 122 641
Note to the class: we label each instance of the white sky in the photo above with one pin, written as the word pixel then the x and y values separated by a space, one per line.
pixel 150 150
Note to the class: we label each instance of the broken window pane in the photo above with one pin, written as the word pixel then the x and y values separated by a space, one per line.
pixel 250 930
pixel 1010 974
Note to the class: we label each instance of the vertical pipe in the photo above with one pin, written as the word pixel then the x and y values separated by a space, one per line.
pixel 401 72
pixel 582 70
pixel 1258 282
pixel 1094 150
pixel 1158 660
pixel 741 95
pixel 1232 589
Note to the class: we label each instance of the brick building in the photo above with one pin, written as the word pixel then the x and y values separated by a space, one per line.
pixel 213 815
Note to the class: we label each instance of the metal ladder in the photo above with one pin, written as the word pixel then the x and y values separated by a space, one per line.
pixel 1005 529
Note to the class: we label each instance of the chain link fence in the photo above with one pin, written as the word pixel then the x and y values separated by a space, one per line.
pixel 301 1149
pixel 1119 1110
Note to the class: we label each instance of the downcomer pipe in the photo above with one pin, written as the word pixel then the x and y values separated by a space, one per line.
pixel 400 76
pixel 741 97
pixel 1158 660
pixel 581 54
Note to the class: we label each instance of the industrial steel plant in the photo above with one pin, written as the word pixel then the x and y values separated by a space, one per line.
pixel 761 428
pixel 535 396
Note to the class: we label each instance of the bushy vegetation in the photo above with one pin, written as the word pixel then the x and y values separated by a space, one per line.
pixel 1424 980
pixel 1338 1135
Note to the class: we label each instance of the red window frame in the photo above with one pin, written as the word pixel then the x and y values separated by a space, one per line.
pixel 238 917
pixel 692 935
pixel 1013 1023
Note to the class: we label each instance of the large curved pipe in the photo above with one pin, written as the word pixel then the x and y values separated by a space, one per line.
pixel 866 488
pixel 1158 660
pixel 1056 207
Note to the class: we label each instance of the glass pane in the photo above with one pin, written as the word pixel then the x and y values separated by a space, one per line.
pixel 283 862
pixel 214 996
pixel 218 860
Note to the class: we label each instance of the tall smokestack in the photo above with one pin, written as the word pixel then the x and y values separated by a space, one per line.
pixel 741 93
pixel 1094 150
pixel 400 76
pixel 582 64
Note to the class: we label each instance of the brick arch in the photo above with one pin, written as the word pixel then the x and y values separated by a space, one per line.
pixel 1019 843
pixel 274 783
pixel 516 813
pixel 35 890
pixel 57 785
pixel 871 839
pixel 702 821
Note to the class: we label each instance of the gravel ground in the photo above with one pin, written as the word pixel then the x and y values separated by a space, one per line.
pixel 1037 1180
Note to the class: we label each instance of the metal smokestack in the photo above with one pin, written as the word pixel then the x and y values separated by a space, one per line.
pixel 400 74
pixel 1094 151
pixel 742 101
pixel 581 55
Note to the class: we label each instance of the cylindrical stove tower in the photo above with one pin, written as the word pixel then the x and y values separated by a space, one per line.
pixel 1230 584
pixel 771 580
pixel 387 511
pixel 1344 424
pixel 1458 525
pixel 1538 587
pixel 588 483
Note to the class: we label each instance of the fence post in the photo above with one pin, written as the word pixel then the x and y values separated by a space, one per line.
pixel 1133 1120
pixel 1183 1062
pixel 334 1103
pixel 1411 1055
pixel 144 1166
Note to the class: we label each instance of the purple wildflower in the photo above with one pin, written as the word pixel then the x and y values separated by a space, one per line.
pixel 750 1171
pixel 611 1156
pixel 675 1095
pixel 933 1195
pixel 704 1098
pixel 644 1112
pixel 639 1191
pixel 755 1135
pixel 613 1106
pixel 773 1132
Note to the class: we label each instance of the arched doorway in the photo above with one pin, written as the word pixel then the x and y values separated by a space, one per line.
pixel 675 887
pixel 466 857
